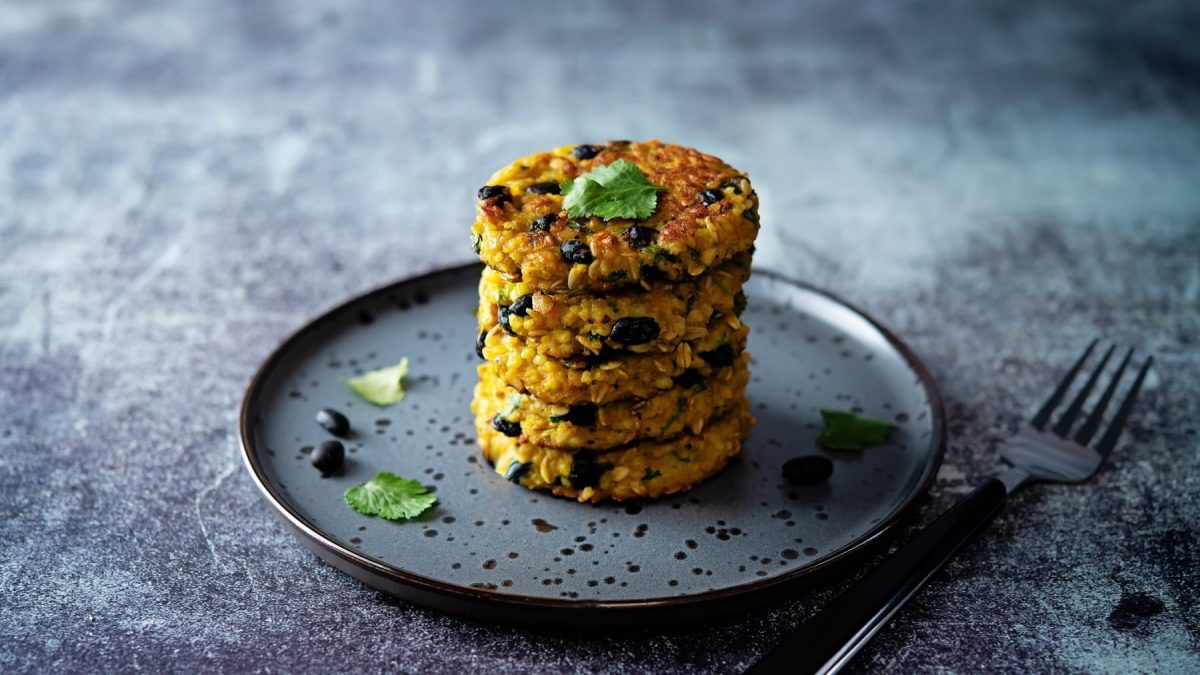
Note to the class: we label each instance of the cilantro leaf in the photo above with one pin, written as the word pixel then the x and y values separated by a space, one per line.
pixel 384 386
pixel 514 402
pixel 390 496
pixel 619 190
pixel 847 431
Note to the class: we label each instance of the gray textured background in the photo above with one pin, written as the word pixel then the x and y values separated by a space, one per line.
pixel 182 184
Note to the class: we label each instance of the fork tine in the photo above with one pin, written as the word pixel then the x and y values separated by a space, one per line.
pixel 1072 412
pixel 1043 415
pixel 1109 440
pixel 1093 421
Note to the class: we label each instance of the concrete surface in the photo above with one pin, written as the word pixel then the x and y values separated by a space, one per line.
pixel 184 183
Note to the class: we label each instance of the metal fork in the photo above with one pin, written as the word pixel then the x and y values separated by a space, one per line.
pixel 1037 453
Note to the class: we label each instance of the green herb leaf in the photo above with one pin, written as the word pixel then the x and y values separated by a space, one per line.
pixel 390 496
pixel 619 190
pixel 651 474
pixel 476 242
pixel 847 431
pixel 514 402
pixel 384 386
pixel 681 405
pixel 658 253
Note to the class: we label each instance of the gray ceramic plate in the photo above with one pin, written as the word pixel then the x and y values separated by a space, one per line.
pixel 497 551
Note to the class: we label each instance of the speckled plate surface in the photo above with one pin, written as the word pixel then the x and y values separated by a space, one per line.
pixel 492 550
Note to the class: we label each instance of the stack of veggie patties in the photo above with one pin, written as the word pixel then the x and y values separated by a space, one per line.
pixel 615 363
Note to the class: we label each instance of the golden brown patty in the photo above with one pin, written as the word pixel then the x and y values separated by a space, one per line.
pixel 647 469
pixel 607 378
pixel 591 427
pixel 707 214
pixel 654 318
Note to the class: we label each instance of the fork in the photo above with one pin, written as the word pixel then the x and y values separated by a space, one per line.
pixel 1039 452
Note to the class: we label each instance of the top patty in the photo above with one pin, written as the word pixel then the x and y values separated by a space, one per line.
pixel 707 213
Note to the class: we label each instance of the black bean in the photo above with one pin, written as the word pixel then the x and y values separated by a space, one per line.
pixel 511 429
pixel 711 196
pixel 334 422
pixel 586 151
pixel 688 379
pixel 547 188
pixel 807 470
pixel 638 236
pixel 634 330
pixel 502 315
pixel 735 183
pixel 516 470
pixel 576 251
pixel 328 456
pixel 581 415
pixel 720 357
pixel 585 472
pixel 521 305
pixel 543 223
pixel 652 273
pixel 479 342
pixel 499 193
pixel 739 303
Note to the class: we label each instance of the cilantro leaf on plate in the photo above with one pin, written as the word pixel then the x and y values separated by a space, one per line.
pixel 390 496
pixel 619 190
pixel 384 386
pixel 847 431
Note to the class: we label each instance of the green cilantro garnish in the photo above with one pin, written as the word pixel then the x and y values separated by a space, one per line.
pixel 681 405
pixel 847 431
pixel 651 474
pixel 514 402
pixel 658 253
pixel 619 190
pixel 476 242
pixel 384 386
pixel 390 496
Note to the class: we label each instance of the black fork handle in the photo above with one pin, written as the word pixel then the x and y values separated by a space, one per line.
pixel 828 640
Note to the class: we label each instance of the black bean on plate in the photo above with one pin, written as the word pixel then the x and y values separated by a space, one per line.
pixel 328 456
pixel 333 421
pixel 807 470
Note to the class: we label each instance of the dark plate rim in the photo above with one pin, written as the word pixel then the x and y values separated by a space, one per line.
pixel 461 596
